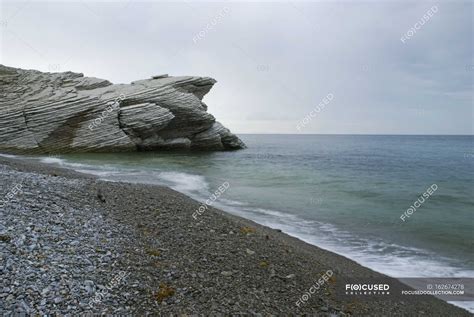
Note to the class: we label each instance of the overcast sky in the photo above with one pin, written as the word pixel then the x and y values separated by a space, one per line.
pixel 274 62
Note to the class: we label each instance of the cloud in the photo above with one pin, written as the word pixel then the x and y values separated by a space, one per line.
pixel 273 61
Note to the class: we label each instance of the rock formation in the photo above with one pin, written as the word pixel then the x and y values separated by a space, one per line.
pixel 67 112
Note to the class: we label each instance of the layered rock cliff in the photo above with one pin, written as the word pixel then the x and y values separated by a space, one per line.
pixel 67 112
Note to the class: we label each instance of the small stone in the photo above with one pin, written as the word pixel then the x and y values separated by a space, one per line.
pixel 226 273
pixel 249 252
pixel 89 283
pixel 45 291
pixel 58 300
pixel 5 238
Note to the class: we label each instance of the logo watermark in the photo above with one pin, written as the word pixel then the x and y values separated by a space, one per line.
pixel 54 155
pixel 54 67
pixel 220 190
pixel 263 68
pixel 110 108
pixel 405 289
pixel 210 26
pixel 317 285
pixel 262 157
pixel 367 289
pixel 417 204
pixel 14 191
pixel 313 113
pixel 417 26
pixel 114 283
pixel 316 201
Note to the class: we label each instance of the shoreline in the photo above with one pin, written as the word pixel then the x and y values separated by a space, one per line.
pixel 219 263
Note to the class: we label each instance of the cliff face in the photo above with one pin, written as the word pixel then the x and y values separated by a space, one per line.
pixel 67 112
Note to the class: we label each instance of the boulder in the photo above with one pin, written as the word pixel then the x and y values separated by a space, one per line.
pixel 69 113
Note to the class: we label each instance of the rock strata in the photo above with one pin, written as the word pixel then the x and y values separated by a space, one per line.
pixel 67 112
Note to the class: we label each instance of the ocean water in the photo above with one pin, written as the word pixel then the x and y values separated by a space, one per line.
pixel 344 193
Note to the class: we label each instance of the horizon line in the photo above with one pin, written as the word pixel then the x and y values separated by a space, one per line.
pixel 381 134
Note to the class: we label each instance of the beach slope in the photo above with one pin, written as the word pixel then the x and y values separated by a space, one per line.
pixel 72 244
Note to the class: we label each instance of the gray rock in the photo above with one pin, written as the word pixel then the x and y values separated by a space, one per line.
pixel 58 300
pixel 226 273
pixel 67 112
pixel 249 252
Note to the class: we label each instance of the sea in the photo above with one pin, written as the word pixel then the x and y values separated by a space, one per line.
pixel 343 193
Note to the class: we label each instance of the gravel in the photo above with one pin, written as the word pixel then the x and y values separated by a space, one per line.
pixel 71 244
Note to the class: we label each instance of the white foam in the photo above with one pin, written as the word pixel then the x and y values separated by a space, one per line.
pixel 402 261
pixel 464 304
pixel 8 155
pixel 185 183
pixel 52 160
pixel 230 202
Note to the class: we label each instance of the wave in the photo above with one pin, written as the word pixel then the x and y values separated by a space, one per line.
pixel 8 155
pixel 389 258
pixel 52 160
pixel 392 259
pixel 194 185
pixel 185 183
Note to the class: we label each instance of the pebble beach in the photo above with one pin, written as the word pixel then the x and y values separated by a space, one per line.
pixel 71 244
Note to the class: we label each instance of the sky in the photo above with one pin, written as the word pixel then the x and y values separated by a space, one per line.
pixel 390 67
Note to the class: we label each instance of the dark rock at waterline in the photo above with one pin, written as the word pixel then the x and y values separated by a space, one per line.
pixel 100 196
pixel 67 112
